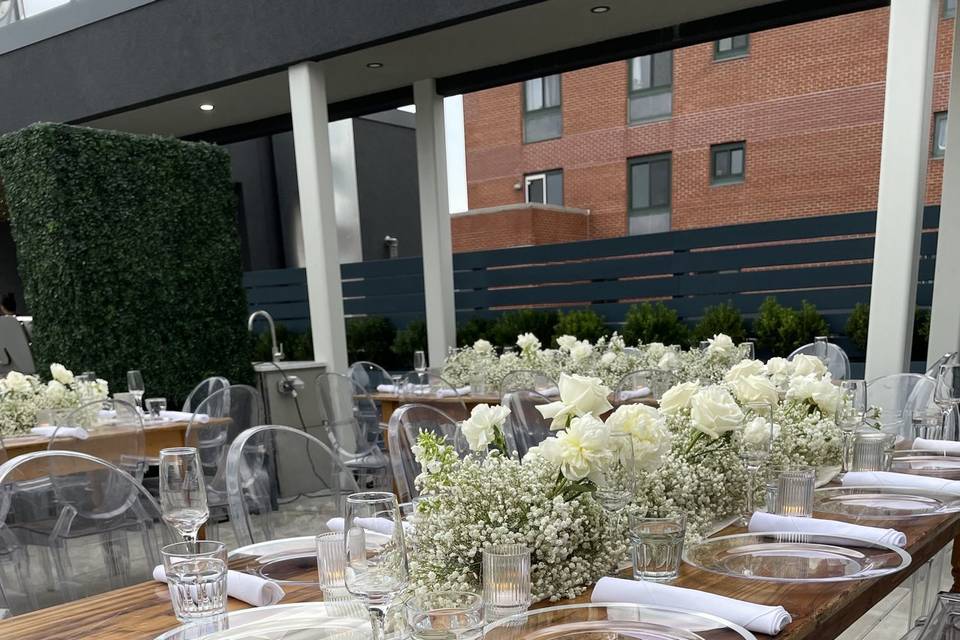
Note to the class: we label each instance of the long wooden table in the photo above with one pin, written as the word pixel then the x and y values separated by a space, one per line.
pixel 820 611
pixel 156 437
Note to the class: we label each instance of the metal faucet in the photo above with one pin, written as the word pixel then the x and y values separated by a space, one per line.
pixel 277 351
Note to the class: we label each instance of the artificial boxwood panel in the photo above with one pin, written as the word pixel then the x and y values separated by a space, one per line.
pixel 129 254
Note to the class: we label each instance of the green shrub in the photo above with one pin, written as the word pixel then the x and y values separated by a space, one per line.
pixel 780 330
pixel 296 346
pixel 510 325
pixel 371 338
pixel 654 323
pixel 584 324
pixel 722 318
pixel 411 338
pixel 809 324
pixel 129 254
pixel 857 325
pixel 921 334
pixel 474 329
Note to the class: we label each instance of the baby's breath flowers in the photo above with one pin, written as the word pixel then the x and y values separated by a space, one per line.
pixel 22 397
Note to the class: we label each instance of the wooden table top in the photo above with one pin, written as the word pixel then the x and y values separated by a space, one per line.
pixel 820 611
pixel 155 435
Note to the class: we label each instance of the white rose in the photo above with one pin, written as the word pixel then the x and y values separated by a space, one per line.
pixel 480 429
pixel 645 426
pixel 669 361
pixel 743 369
pixel 608 358
pixel 16 382
pixel 779 367
pixel 579 395
pixel 581 450
pixel 528 342
pixel 805 365
pixel 677 398
pixel 656 350
pixel 756 388
pixel 758 432
pixel 483 347
pixel 801 387
pixel 566 342
pixel 714 411
pixel 581 351
pixel 61 374
pixel 55 393
pixel 720 344
pixel 826 395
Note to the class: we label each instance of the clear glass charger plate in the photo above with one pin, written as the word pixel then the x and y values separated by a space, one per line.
pixel 884 503
pixel 613 622
pixel 347 620
pixel 796 557
pixel 926 463
pixel 288 560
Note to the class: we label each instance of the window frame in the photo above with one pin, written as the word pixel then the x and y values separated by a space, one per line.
pixel 650 91
pixel 542 175
pixel 651 210
pixel 728 147
pixel 947 11
pixel 558 109
pixel 734 52
pixel 935 151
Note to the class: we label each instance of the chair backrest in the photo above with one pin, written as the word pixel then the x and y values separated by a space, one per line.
pixel 349 415
pixel 838 363
pixel 282 482
pixel 643 384
pixel 118 547
pixel 529 380
pixel 429 388
pixel 406 423
pixel 898 395
pixel 525 427
pixel 15 353
pixel 112 430
pixel 217 421
pixel 204 390
pixel 369 375
pixel 947 358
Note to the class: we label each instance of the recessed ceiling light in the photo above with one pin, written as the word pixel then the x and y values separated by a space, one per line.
pixel 600 8
pixel 206 106
pixel 374 65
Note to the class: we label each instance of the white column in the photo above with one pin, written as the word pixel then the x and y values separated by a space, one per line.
pixel 435 221
pixel 903 173
pixel 945 314
pixel 311 140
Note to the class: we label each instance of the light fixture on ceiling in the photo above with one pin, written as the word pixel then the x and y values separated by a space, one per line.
pixel 600 8
pixel 206 106
pixel 374 65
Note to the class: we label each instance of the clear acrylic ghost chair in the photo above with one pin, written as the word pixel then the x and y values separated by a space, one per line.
pixel 948 358
pixel 14 559
pixel 217 421
pixel 529 380
pixel 429 388
pixel 838 363
pixel 15 353
pixel 643 385
pixel 204 390
pixel 282 482
pixel 112 430
pixel 369 375
pixel 897 396
pixel 106 534
pixel 525 427
pixel 406 423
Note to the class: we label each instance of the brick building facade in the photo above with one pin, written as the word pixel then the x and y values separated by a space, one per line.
pixel 805 101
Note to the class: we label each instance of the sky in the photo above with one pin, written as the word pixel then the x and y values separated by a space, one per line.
pixel 456 158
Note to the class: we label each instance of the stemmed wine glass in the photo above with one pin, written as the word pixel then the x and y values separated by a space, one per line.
pixel 851 411
pixel 946 395
pixel 754 442
pixel 183 495
pixel 617 480
pixel 135 386
pixel 376 567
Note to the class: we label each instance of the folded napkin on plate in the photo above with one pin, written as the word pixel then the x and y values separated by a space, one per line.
pixel 940 446
pixel 761 522
pixel 550 392
pixel 449 393
pixel 755 617
pixel 382 526
pixel 906 480
pixel 386 388
pixel 633 394
pixel 185 416
pixel 424 389
pixel 62 432
pixel 242 586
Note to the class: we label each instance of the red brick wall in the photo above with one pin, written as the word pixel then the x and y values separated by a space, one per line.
pixel 523 225
pixel 807 99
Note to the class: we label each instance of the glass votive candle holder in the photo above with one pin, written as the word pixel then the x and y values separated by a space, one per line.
pixel 155 407
pixel 927 424
pixel 506 580
pixel 331 560
pixel 872 451
pixel 196 574
pixel 446 614
pixel 792 490
pixel 656 546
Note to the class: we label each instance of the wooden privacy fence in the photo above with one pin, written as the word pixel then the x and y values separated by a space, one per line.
pixel 827 260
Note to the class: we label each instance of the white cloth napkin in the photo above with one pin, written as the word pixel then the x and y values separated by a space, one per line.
pixel 185 416
pixel 755 617
pixel 642 392
pixel 940 446
pixel 550 392
pixel 889 479
pixel 382 526
pixel 761 522
pixel 424 389
pixel 242 586
pixel 449 393
pixel 386 388
pixel 64 432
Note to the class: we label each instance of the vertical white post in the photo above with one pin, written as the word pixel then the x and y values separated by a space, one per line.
pixel 903 173
pixel 434 221
pixel 945 313
pixel 311 141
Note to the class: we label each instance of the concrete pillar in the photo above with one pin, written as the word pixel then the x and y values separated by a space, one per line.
pixel 435 221
pixel 903 173
pixel 311 139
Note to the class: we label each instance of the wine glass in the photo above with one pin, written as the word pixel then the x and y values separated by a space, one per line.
pixel 946 394
pixel 376 562
pixel 617 480
pixel 850 414
pixel 183 495
pixel 821 348
pixel 135 386
pixel 754 441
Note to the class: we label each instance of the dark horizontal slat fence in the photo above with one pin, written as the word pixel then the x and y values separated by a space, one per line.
pixel 826 260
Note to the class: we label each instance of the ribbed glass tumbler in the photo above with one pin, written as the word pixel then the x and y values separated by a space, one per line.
pixel 506 580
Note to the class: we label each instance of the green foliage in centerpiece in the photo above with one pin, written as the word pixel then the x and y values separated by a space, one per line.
pixel 129 253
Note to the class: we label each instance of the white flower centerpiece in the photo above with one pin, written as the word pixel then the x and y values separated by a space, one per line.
pixel 22 397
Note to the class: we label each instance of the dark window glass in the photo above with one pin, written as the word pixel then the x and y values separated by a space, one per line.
pixel 939 134
pixel 651 86
pixel 732 47
pixel 649 200
pixel 546 187
pixel 542 116
pixel 727 162
pixel 949 8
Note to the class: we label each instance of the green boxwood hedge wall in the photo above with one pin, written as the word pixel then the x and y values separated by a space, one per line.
pixel 129 253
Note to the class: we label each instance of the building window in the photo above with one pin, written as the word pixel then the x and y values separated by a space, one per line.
pixel 733 47
pixel 949 8
pixel 727 163
pixel 651 86
pixel 546 187
pixel 939 134
pixel 649 194
pixel 542 118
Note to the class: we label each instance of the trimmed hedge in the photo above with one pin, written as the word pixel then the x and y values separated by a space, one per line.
pixel 129 254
